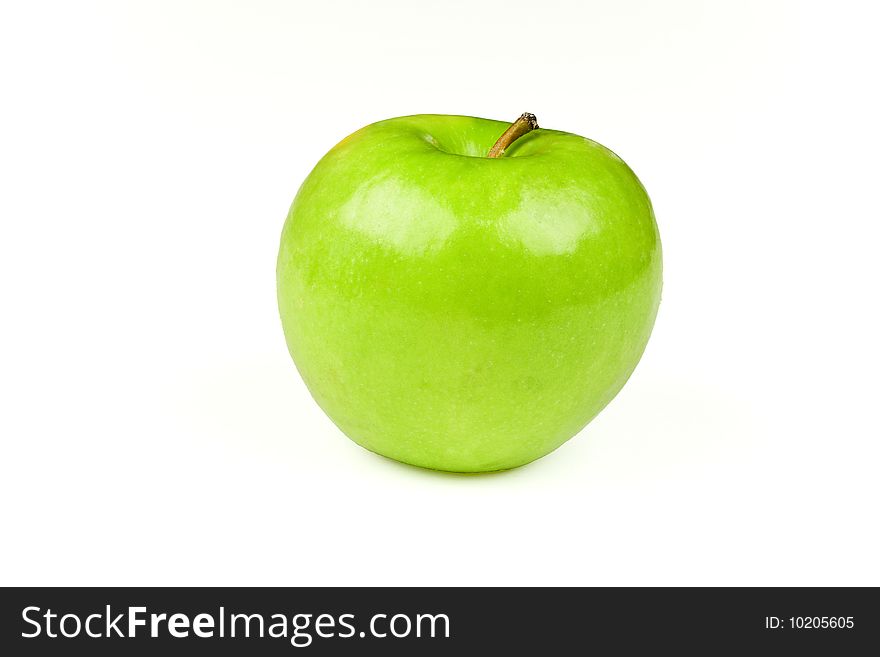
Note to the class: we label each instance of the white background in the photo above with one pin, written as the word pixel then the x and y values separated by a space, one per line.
pixel 154 430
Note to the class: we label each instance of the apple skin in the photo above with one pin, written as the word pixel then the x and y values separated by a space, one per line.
pixel 463 313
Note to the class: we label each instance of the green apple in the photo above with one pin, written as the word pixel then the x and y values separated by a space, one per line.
pixel 463 310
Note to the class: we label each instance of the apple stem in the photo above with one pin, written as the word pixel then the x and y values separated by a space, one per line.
pixel 523 125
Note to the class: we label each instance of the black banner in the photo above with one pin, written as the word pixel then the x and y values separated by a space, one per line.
pixel 444 621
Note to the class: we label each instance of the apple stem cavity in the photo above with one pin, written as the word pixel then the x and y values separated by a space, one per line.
pixel 523 125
